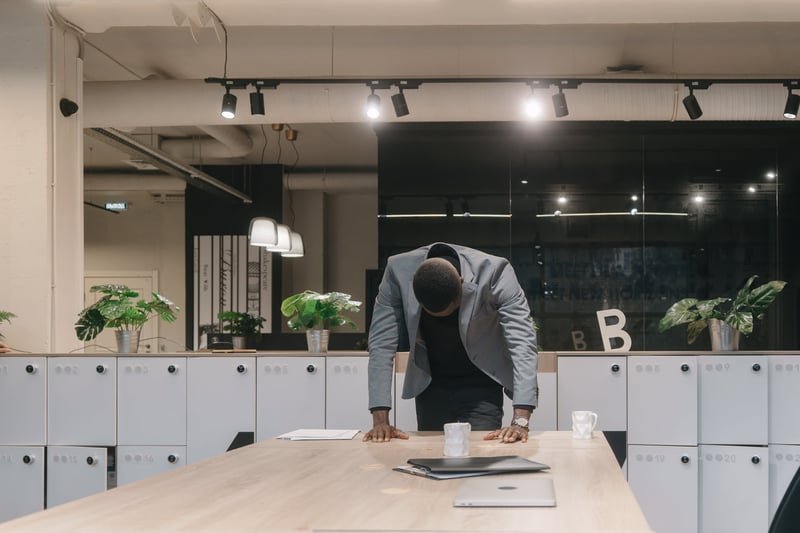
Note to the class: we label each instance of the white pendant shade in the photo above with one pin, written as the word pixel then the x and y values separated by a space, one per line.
pixel 284 242
pixel 263 232
pixel 296 248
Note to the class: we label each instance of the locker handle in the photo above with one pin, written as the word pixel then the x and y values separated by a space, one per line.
pixel 615 367
pixel 101 369
pixel 172 458
pixel 755 459
pixel 30 369
pixel 27 459
pixel 684 367
pixel 756 367
pixel 311 369
pixel 241 369
pixel 684 459
pixel 172 369
pixel 91 461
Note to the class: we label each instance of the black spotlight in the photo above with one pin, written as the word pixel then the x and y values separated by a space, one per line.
pixel 560 104
pixel 399 103
pixel 792 104
pixel 69 108
pixel 228 104
pixel 257 103
pixel 692 107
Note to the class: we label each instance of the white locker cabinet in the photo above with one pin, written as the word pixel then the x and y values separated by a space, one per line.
pixel 664 481
pixel 662 400
pixel 593 383
pixel 151 401
pixel 290 394
pixel 23 393
pixel 139 462
pixel 81 401
pixel 783 463
pixel 74 472
pixel 734 489
pixel 733 399
pixel 21 481
pixel 221 402
pixel 784 399
pixel 346 397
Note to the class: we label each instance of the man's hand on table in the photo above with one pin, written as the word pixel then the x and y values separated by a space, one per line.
pixel 381 430
pixel 508 434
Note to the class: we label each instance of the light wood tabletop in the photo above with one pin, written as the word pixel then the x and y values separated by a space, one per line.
pixel 278 485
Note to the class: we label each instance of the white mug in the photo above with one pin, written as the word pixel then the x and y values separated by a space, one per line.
pixel 583 423
pixel 456 439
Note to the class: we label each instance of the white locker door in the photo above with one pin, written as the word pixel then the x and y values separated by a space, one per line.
pixel 21 481
pixel 151 401
pixel 346 397
pixel 221 403
pixel 664 481
pixel 405 411
pixel 23 393
pixel 733 399
pixel 82 401
pixel 74 472
pixel 139 462
pixel 784 398
pixel 734 489
pixel 662 400
pixel 783 463
pixel 545 416
pixel 593 384
pixel 290 394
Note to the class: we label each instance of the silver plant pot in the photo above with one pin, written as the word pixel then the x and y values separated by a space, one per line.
pixel 127 340
pixel 724 338
pixel 317 340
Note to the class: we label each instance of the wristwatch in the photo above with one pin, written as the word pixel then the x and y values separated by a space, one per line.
pixel 521 422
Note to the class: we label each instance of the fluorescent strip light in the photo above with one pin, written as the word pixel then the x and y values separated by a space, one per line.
pixel 614 214
pixel 416 215
pixel 482 215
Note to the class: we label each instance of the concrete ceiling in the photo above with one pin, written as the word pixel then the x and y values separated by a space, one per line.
pixel 145 62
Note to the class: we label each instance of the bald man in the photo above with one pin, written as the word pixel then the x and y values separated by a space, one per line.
pixel 467 321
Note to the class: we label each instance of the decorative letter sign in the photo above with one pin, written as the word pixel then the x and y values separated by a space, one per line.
pixel 613 330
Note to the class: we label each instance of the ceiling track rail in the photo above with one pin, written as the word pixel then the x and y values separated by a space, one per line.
pixel 164 162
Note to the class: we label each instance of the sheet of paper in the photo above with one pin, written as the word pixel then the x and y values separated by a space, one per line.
pixel 319 434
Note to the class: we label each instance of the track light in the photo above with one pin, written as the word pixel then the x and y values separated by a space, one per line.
pixel 399 103
pixel 257 102
pixel 792 104
pixel 373 105
pixel 69 108
pixel 228 104
pixel 692 106
pixel 533 106
pixel 560 104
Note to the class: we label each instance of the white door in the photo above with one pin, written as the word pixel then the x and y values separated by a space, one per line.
pixel 662 400
pixel 290 395
pixel 220 403
pixel 664 481
pixel 23 383
pixel 346 398
pixel 783 463
pixel 594 383
pixel 734 489
pixel 74 472
pixel 21 481
pixel 142 282
pixel 139 462
pixel 784 398
pixel 151 401
pixel 82 401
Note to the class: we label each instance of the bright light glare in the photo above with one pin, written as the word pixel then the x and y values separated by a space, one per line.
pixel 562 199
pixel 533 107
pixel 698 199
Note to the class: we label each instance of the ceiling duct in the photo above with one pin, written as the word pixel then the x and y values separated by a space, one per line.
pixel 164 162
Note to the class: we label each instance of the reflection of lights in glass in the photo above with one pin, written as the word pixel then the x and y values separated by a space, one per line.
pixel 751 188
pixel 524 182
pixel 634 211
pixel 634 198
pixel 562 199
pixel 557 213
pixel 699 199
pixel 771 175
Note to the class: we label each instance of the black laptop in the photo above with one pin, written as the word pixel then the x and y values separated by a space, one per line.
pixel 498 464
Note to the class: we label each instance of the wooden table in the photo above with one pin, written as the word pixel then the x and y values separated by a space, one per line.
pixel 349 485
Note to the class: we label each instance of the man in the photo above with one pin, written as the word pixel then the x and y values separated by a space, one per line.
pixel 468 324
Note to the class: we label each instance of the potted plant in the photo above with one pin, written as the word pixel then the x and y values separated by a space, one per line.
pixel 6 316
pixel 119 309
pixel 726 318
pixel 241 326
pixel 316 313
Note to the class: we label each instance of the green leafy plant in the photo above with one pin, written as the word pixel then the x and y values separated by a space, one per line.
pixel 6 316
pixel 313 310
pixel 244 324
pixel 739 312
pixel 119 309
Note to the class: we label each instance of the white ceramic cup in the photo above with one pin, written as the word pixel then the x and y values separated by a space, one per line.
pixel 583 423
pixel 456 439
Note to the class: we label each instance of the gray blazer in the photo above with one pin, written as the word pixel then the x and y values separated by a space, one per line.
pixel 494 318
